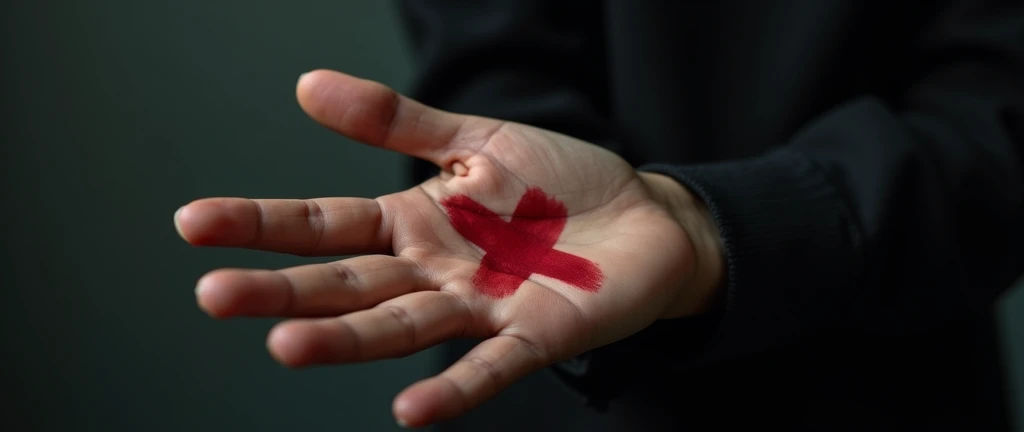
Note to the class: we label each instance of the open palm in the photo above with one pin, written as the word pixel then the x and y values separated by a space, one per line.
pixel 543 245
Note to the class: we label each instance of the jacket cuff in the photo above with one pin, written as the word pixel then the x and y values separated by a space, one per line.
pixel 791 247
pixel 601 375
pixel 792 260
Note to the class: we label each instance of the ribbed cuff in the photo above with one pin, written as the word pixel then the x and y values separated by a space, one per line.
pixel 790 245
pixel 602 374
pixel 792 257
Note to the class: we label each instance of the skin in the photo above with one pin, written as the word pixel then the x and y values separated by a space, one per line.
pixel 409 287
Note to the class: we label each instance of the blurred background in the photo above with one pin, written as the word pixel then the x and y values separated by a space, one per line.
pixel 117 112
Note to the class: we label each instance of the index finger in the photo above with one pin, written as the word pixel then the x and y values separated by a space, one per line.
pixel 375 114
pixel 311 227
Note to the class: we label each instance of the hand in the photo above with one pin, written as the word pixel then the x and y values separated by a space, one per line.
pixel 593 251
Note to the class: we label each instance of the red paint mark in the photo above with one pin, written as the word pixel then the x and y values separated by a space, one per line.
pixel 516 249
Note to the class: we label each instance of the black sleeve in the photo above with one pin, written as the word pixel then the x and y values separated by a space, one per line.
pixel 535 62
pixel 886 215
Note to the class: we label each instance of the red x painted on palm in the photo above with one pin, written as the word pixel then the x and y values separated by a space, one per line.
pixel 523 246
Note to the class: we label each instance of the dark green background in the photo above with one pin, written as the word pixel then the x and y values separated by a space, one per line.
pixel 116 112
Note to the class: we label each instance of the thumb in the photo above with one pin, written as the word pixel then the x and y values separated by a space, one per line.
pixel 375 114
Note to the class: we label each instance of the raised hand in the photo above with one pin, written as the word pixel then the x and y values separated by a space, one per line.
pixel 543 245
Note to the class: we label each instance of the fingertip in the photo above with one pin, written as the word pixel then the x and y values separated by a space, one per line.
pixel 295 344
pixel 177 224
pixel 314 76
pixel 196 219
pixel 303 84
pixel 216 221
pixel 185 220
pixel 204 300
pixel 212 297
pixel 282 344
pixel 426 402
pixel 409 408
pixel 309 87
pixel 403 412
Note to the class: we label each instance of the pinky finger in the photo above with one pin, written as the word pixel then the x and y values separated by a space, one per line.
pixel 483 372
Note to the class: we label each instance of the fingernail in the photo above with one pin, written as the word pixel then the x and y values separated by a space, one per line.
pixel 199 287
pixel 177 226
pixel 402 423
pixel 303 75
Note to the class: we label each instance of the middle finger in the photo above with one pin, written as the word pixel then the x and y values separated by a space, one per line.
pixel 311 290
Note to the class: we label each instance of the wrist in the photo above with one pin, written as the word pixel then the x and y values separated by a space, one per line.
pixel 701 291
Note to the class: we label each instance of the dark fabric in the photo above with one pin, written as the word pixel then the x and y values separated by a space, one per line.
pixel 863 159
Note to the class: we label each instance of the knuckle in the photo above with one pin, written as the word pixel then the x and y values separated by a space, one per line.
pixel 343 273
pixel 356 344
pixel 261 219
pixel 342 277
pixel 317 222
pixel 539 354
pixel 291 294
pixel 402 317
pixel 487 369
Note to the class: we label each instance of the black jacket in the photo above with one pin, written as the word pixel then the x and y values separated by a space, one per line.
pixel 862 158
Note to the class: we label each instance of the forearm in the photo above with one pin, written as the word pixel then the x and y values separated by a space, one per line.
pixel 889 214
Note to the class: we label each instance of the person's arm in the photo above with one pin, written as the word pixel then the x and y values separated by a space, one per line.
pixel 888 215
